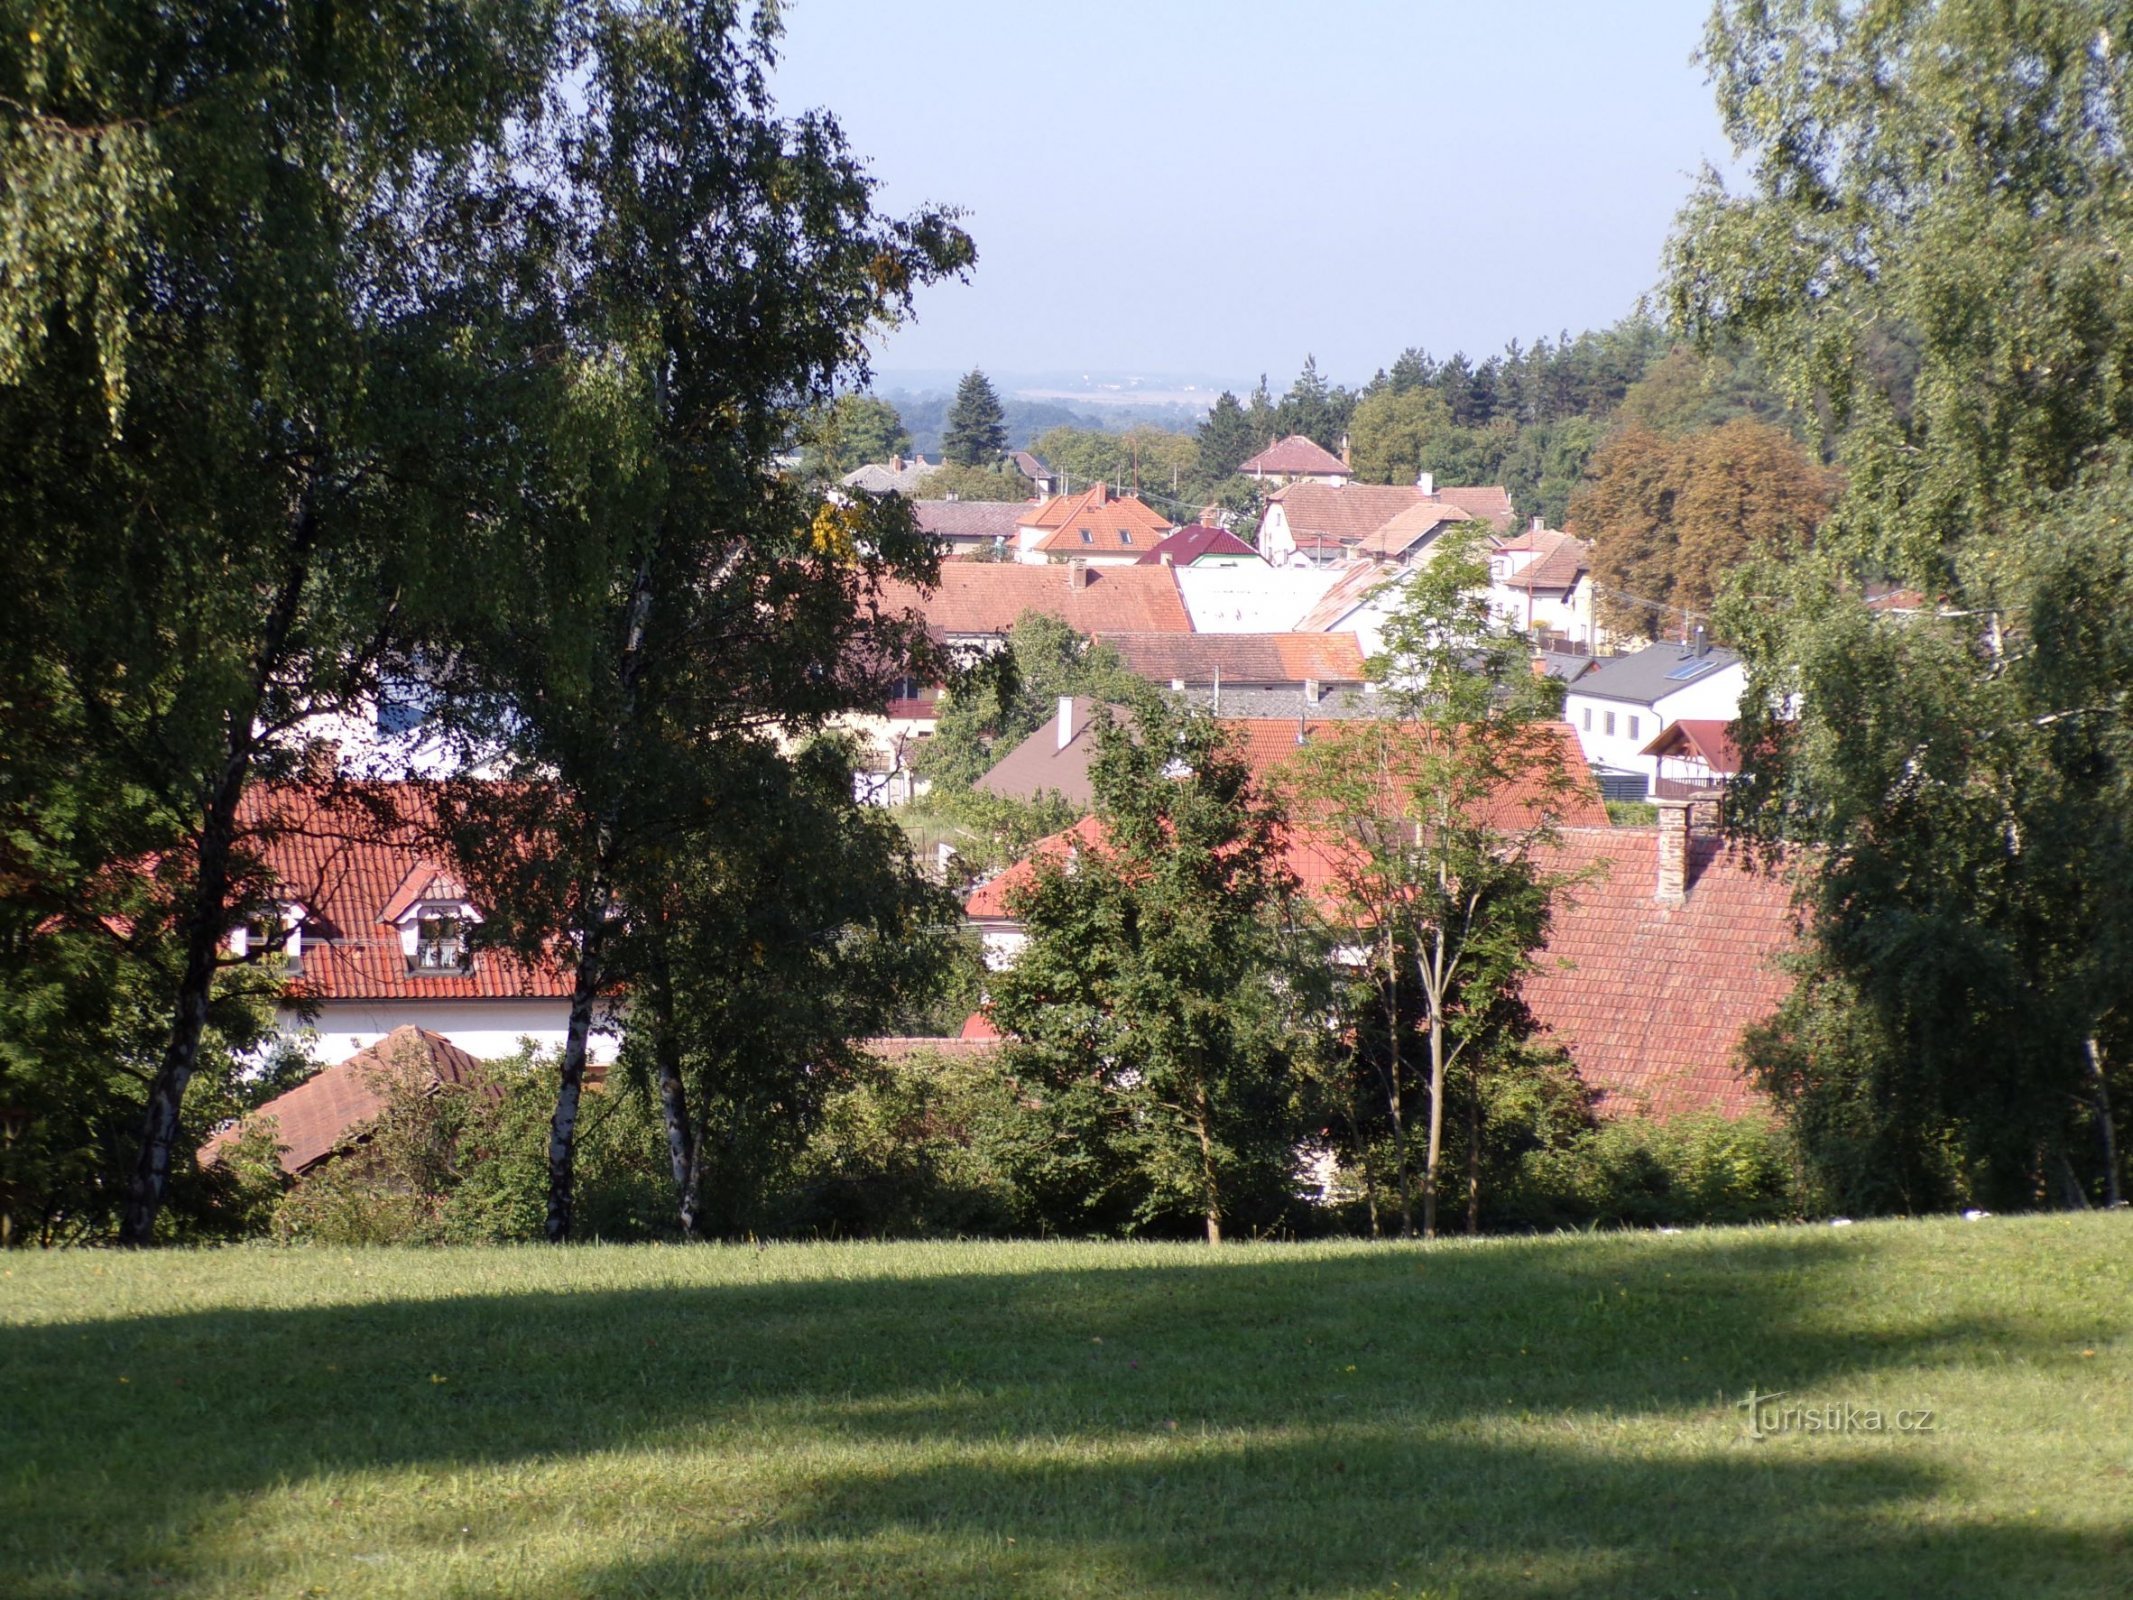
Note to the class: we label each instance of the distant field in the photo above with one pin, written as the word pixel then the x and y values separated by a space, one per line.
pixel 1555 1417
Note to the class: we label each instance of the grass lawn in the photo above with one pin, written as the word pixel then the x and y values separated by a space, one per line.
pixel 1546 1417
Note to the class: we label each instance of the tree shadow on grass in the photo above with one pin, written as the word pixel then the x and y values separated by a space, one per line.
pixel 1344 1420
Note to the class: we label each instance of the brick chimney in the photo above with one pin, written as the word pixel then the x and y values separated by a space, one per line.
pixel 1426 482
pixel 1673 888
pixel 1077 574
pixel 896 462
pixel 322 760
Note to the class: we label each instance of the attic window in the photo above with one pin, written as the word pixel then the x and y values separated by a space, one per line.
pixel 440 943
pixel 1088 536
pixel 1125 536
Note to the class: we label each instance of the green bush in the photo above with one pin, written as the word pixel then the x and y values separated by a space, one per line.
pixel 1634 1172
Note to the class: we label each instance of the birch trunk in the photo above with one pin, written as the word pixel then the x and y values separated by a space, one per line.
pixel 2112 1194
pixel 563 1126
pixel 674 1103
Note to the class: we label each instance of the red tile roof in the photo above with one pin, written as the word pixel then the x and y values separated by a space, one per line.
pixel 1559 560
pixel 1343 513
pixel 1491 501
pixel 988 902
pixel 1296 456
pixel 1651 1001
pixel 354 865
pixel 970 521
pixel 327 1112
pixel 1242 658
pixel 1410 527
pixel 1096 522
pixel 975 597
pixel 1195 541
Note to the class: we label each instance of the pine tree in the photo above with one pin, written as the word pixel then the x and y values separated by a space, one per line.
pixel 1226 440
pixel 976 435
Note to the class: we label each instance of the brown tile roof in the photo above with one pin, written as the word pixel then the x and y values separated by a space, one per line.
pixel 327 1112
pixel 895 1047
pixel 1189 544
pixel 1705 739
pixel 1559 560
pixel 976 597
pixel 1343 513
pixel 1242 658
pixel 1038 765
pixel 1651 1001
pixel 1296 456
pixel 1492 501
pixel 1097 522
pixel 970 520
pixel 353 866
pixel 1408 528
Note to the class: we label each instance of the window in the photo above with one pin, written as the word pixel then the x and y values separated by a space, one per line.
pixel 1588 719
pixel 1610 724
pixel 269 935
pixel 440 943
pixel 1088 536
pixel 1633 727
pixel 1125 536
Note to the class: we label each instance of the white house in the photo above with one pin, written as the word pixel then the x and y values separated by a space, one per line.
pixel 1541 583
pixel 1625 702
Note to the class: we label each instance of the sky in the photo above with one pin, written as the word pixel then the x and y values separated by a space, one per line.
pixel 1212 189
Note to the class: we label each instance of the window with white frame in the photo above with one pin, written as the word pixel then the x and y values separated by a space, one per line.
pixel 440 942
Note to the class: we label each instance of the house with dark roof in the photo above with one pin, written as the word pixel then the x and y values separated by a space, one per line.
pixel 972 527
pixel 1043 481
pixel 1297 459
pixel 1318 663
pixel 1098 526
pixel 1198 545
pixel 895 476
pixel 1625 702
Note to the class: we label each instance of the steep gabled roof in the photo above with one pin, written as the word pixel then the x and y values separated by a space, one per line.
pixel 1490 501
pixel 1408 528
pixel 1343 513
pixel 332 1109
pixel 1296 456
pixel 1358 581
pixel 1096 522
pixel 1705 739
pixel 1559 560
pixel 975 597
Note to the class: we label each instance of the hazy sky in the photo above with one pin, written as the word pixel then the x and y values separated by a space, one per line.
pixel 1216 187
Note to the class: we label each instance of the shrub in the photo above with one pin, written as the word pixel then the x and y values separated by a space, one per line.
pixel 1641 1173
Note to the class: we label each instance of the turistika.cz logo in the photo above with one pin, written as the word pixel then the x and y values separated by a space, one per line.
pixel 1772 1414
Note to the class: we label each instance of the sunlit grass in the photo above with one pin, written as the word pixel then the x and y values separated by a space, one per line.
pixel 1518 1417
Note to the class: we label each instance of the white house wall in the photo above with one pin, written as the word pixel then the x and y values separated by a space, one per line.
pixel 489 1029
pixel 1715 697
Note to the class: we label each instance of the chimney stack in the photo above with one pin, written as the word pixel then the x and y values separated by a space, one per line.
pixel 1673 887
pixel 896 462
pixel 1310 691
pixel 1536 527
pixel 1346 460
pixel 1077 574
pixel 322 760
pixel 1066 720
pixel 1427 483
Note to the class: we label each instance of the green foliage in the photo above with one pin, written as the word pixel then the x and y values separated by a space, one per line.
pixel 1143 1015
pixel 1928 258
pixel 952 482
pixel 1684 1172
pixel 1314 408
pixel 1166 464
pixel 1225 439
pixel 976 435
pixel 849 432
pixel 1044 659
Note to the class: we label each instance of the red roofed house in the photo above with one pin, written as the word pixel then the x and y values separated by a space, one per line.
pixel 374 926
pixel 1096 526
pixel 1297 459
pixel 330 1111
pixel 1540 581
pixel 1318 523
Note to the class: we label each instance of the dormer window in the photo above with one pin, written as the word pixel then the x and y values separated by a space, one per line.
pixel 1125 536
pixel 440 942
pixel 1088 536
pixel 435 920
pixel 278 931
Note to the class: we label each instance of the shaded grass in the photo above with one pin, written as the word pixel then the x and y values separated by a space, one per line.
pixel 1549 1417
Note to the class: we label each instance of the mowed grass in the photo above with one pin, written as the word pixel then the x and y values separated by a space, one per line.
pixel 1544 1417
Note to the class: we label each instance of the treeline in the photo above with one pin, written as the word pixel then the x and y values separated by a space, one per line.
pixel 342 377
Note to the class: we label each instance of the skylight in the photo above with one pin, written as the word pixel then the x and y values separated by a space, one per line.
pixel 1695 666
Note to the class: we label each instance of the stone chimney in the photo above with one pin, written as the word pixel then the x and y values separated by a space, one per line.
pixel 1346 460
pixel 896 462
pixel 322 760
pixel 1077 574
pixel 1673 888
pixel 1066 720
pixel 1426 482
